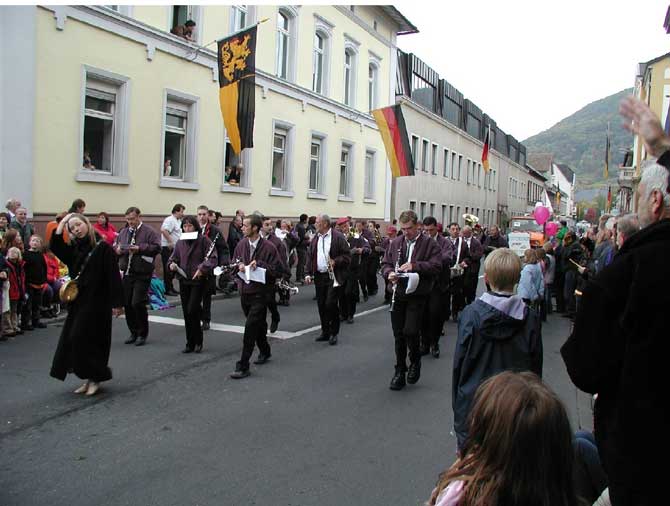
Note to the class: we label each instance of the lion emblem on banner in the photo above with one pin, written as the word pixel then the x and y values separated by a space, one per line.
pixel 234 55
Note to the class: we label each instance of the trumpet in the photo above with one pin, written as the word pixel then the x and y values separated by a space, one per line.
pixel 395 285
pixel 331 274
pixel 282 284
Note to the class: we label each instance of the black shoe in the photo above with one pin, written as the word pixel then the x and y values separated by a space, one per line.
pixel 435 351
pixel 205 325
pixel 414 373
pixel 39 325
pixel 425 350
pixel 187 350
pixel 198 348
pixel 333 340
pixel 240 373
pixel 141 341
pixel 322 337
pixel 130 340
pixel 398 380
pixel 350 319
pixel 274 325
pixel 262 359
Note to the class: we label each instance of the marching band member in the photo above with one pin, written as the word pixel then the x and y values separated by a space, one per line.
pixel 253 251
pixel 359 247
pixel 327 261
pixel 473 265
pixel 391 233
pixel 462 254
pixel 196 258
pixel 268 232
pixel 136 246
pixel 223 254
pixel 437 306
pixel 411 253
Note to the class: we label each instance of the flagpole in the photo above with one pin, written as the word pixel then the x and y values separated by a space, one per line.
pixel 195 53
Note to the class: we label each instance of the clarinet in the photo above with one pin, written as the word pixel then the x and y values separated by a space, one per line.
pixel 130 254
pixel 211 247
pixel 395 285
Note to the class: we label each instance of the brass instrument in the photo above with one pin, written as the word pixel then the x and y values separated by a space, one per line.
pixel 470 219
pixel 331 273
pixel 283 284
pixel 132 231
pixel 395 285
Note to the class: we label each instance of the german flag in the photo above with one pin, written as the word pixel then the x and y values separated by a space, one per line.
pixel 237 83
pixel 485 151
pixel 609 199
pixel 392 127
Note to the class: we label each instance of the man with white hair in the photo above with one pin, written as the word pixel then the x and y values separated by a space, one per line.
pixel 12 205
pixel 618 347
pixel 626 226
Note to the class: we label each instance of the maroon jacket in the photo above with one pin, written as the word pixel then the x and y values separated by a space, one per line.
pixel 448 256
pixel 476 251
pixel 281 250
pixel 426 260
pixel 339 251
pixel 465 252
pixel 190 256
pixel 266 256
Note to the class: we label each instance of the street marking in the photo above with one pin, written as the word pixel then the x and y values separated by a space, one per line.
pixel 237 329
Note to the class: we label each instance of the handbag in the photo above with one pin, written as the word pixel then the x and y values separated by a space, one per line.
pixel 70 289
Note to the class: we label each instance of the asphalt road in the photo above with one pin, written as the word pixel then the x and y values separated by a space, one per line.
pixel 317 425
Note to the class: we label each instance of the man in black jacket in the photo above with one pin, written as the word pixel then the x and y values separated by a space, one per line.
pixel 618 347
pixel 301 248
pixel 223 254
pixel 235 233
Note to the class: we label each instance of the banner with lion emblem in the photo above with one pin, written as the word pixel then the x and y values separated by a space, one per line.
pixel 237 83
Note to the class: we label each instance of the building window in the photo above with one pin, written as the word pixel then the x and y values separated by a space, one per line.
pixel 424 155
pixel 232 161
pixel 239 17
pixel 422 215
pixel 432 210
pixel 345 171
pixel 369 184
pixel 318 63
pixel 283 39
pixel 479 175
pixel 468 180
pixel 317 164
pixel 412 205
pixel 374 25
pixel 460 166
pixel 451 215
pixel 180 14
pixel 104 126
pixel 453 165
pixel 445 167
pixel 433 160
pixel 279 155
pixel 180 120
pixel 415 151
pixel 457 218
pixel 444 216
pixel 373 72
pixel 349 77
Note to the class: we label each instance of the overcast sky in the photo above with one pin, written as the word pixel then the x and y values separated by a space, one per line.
pixel 529 64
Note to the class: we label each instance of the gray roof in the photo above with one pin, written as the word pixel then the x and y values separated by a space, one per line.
pixel 404 25
pixel 541 162
pixel 567 171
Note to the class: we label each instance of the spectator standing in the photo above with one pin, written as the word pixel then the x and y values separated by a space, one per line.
pixel 105 228
pixel 471 276
pixel 235 234
pixel 572 255
pixel 626 227
pixel 36 279
pixel 301 248
pixel 4 224
pixel 618 347
pixel 494 240
pixel 17 290
pixel 549 274
pixel 497 332
pixel 4 298
pixel 12 205
pixel 21 224
pixel 78 206
pixel 170 233
pixel 531 283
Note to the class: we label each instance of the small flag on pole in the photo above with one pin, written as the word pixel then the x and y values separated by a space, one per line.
pixel 558 201
pixel 392 128
pixel 609 199
pixel 485 151
pixel 607 154
pixel 237 71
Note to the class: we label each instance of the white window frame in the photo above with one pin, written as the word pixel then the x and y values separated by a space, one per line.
pixel 351 47
pixel 245 160
pixel 460 167
pixel 373 84
pixel 412 205
pixel 289 129
pixel 195 14
pixel 320 191
pixel 445 166
pixel 422 210
pixel 291 14
pixel 416 155
pixel 324 28
pixel 434 158
pixel 369 181
pixel 236 12
pixel 349 172
pixel 126 10
pixel 191 104
pixel 119 174
pixel 425 153
pixel 454 159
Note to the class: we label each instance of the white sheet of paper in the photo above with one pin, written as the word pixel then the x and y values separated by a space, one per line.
pixel 188 236
pixel 248 275
pixel 412 281
pixel 280 233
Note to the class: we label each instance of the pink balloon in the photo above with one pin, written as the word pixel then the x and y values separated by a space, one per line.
pixel 551 229
pixel 541 215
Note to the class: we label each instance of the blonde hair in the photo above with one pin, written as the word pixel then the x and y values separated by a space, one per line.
pixel 503 269
pixel 529 256
pixel 92 237
pixel 38 237
pixel 16 250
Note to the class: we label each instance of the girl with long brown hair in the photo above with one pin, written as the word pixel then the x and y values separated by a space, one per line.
pixel 518 451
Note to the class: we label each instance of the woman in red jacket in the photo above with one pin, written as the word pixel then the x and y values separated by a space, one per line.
pixel 105 228
pixel 17 290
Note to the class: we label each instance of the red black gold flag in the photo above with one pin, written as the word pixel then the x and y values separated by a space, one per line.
pixel 237 83
pixel 606 172
pixel 609 199
pixel 485 151
pixel 392 128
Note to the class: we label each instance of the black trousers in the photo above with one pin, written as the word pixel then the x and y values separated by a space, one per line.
pixel 168 275
pixel 191 304
pixel 363 276
pixel 30 311
pixel 136 296
pixel 406 323
pixel 569 286
pixel 559 282
pixel 327 301
pixel 349 296
pixel 436 312
pixel 456 288
pixel 272 304
pixel 371 273
pixel 208 291
pixel 302 261
pixel 255 328
pixel 470 283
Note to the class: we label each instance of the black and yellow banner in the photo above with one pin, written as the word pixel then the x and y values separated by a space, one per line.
pixel 237 71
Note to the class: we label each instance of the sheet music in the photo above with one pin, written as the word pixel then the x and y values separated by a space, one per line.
pixel 412 281
pixel 248 275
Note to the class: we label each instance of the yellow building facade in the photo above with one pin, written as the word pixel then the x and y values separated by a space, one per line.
pixel 125 113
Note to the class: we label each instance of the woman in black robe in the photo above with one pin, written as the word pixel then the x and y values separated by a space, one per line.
pixel 84 344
